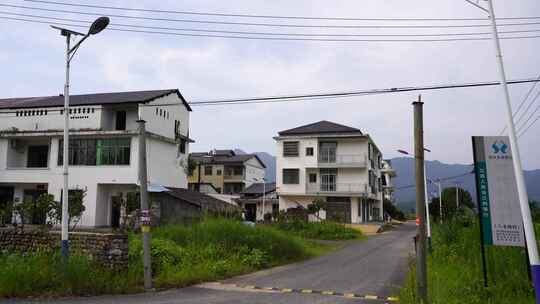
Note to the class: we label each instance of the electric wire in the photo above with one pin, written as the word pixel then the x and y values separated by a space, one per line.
pixel 527 129
pixel 531 89
pixel 273 38
pixel 268 16
pixel 264 24
pixel 270 33
pixel 524 113
pixel 531 116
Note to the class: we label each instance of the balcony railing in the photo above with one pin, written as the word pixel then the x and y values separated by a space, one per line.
pixel 233 177
pixel 343 188
pixel 330 158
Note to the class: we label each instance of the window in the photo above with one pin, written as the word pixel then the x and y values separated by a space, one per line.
pixel 309 151
pixel 238 171
pixel 313 177
pixel 207 170
pixel 290 148
pixel 291 176
pixel 218 172
pixel 120 120
pixel 97 152
pixel 182 146
pixel 37 156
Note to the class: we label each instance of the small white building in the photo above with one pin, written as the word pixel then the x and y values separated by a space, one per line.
pixel 387 174
pixel 334 163
pixel 103 147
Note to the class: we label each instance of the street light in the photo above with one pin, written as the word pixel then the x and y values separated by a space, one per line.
pixel 438 183
pixel 97 26
pixel 428 221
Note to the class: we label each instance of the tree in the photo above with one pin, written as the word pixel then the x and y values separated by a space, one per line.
pixel 75 207
pixel 449 204
pixel 393 211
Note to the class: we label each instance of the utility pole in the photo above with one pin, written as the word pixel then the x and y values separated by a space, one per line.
pixel 428 222
pixel 528 226
pixel 421 265
pixel 145 213
pixel 264 196
pixel 457 197
pixel 65 160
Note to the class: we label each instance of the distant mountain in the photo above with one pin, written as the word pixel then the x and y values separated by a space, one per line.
pixel 268 160
pixel 405 196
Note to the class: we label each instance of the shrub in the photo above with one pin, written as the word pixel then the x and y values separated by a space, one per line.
pixel 324 230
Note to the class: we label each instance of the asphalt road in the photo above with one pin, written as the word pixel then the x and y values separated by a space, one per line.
pixel 374 267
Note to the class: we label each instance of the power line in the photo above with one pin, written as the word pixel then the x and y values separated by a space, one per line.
pixel 523 114
pixel 531 116
pixel 265 24
pixel 439 179
pixel 274 38
pixel 527 129
pixel 269 16
pixel 270 33
pixel 360 92
pixel 521 104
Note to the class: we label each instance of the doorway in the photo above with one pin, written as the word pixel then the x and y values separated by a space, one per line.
pixel 120 120
pixel 251 212
pixel 116 202
pixel 6 198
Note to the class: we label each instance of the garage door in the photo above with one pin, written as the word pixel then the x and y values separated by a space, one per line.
pixel 338 209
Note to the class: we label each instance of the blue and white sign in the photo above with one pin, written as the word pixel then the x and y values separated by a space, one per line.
pixel 497 192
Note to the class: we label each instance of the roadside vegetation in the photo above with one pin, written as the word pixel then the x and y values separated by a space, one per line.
pixel 213 249
pixel 324 230
pixel 455 264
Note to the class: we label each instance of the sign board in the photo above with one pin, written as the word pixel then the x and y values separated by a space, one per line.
pixel 498 201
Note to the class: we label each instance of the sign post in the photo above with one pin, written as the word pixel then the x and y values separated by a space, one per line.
pixel 501 223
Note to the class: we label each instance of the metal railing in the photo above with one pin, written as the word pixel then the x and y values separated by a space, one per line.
pixel 336 188
pixel 333 158
pixel 233 177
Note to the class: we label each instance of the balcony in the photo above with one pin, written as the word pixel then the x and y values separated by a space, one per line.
pixel 337 188
pixel 239 177
pixel 333 160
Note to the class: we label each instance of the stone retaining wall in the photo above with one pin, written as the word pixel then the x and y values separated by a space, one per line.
pixel 108 249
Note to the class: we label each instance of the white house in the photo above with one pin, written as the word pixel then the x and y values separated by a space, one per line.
pixel 103 147
pixel 334 163
pixel 387 174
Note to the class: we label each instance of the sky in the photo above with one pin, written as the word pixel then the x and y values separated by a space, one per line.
pixel 31 57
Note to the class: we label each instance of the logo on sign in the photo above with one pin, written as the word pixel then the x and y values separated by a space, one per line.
pixel 499 147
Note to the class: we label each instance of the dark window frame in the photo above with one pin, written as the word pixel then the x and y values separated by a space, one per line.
pixel 309 151
pixel 291 148
pixel 291 176
pixel 312 178
pixel 208 170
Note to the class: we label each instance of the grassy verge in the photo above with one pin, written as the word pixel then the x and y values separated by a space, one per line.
pixel 214 249
pixel 455 273
pixel 320 230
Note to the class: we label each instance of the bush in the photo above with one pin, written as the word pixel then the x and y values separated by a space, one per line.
pixel 45 274
pixel 455 273
pixel 324 230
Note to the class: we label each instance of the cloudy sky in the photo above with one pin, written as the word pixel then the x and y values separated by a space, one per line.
pixel 31 57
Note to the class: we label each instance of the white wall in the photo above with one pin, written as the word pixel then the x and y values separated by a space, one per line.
pixel 254 171
pixel 53 120
pixel 163 166
pixel 164 126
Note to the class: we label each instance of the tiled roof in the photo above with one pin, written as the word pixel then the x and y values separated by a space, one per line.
pixel 258 188
pixel 321 127
pixel 89 99
pixel 206 158
pixel 206 202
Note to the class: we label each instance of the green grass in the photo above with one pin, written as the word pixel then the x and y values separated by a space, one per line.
pixel 319 230
pixel 211 250
pixel 455 273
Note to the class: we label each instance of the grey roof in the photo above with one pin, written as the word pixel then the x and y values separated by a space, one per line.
pixel 321 127
pixel 259 188
pixel 206 202
pixel 89 99
pixel 224 152
pixel 207 158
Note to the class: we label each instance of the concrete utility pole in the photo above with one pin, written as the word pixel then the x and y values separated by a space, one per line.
pixel 199 176
pixel 421 265
pixel 440 202
pixel 145 213
pixel 457 197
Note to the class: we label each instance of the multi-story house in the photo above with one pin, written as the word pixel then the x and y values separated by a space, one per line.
pixel 333 163
pixel 225 171
pixel 387 174
pixel 103 147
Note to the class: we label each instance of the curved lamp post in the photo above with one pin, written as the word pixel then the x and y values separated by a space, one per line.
pixel 97 26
